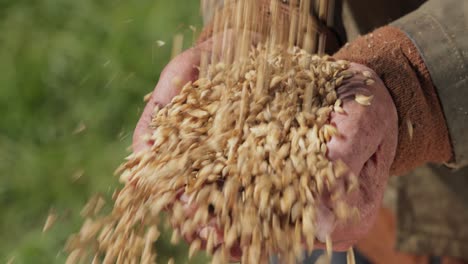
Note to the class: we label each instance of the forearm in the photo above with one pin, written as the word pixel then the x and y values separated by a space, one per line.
pixel 438 30
pixel 422 60
pixel 422 133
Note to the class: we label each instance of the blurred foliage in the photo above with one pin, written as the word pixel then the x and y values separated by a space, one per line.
pixel 66 64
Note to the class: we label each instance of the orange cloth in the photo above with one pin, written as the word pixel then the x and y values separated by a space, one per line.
pixel 379 245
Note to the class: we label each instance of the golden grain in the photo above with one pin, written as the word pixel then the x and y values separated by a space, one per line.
pixel 367 74
pixel 364 99
pixel 147 97
pixel 11 260
pixel 369 81
pixel 50 221
pixel 248 145
pixel 410 127
pixel 323 259
pixel 194 247
pixel 350 256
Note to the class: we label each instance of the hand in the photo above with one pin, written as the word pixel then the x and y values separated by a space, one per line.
pixel 181 70
pixel 178 72
pixel 367 145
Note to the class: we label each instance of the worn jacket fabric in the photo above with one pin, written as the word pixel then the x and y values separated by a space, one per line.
pixel 432 204
pixel 438 28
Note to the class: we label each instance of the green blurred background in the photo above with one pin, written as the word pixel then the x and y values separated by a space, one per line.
pixel 72 78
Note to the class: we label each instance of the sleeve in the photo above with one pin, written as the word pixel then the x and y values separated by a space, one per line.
pixel 423 136
pixel 439 31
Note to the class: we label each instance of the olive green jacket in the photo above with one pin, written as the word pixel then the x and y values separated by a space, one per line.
pixel 432 203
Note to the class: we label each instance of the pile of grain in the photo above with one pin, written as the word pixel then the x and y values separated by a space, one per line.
pixel 248 146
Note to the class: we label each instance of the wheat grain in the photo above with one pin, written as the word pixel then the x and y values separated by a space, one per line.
pixel 369 81
pixel 50 221
pixel 246 143
pixel 350 256
pixel 367 74
pixel 364 99
pixel 410 128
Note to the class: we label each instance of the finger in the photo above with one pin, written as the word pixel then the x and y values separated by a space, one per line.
pixel 347 233
pixel 368 200
pixel 362 146
pixel 344 234
pixel 358 126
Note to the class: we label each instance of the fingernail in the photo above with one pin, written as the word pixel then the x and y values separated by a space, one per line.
pixel 184 198
pixel 203 233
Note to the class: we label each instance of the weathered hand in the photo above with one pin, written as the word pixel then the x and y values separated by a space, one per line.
pixel 181 70
pixel 178 72
pixel 367 144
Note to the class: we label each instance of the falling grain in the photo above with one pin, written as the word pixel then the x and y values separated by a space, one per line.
pixel 246 143
pixel 177 45
pixel 329 248
pixel 147 97
pixel 323 259
pixel 80 128
pixel 194 247
pixel 410 127
pixel 350 256
pixel 50 221
pixel 77 175
pixel 11 260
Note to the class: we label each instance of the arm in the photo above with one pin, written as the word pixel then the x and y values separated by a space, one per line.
pixel 438 29
pixel 421 60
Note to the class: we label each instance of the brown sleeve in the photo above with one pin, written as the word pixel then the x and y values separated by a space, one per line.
pixel 390 53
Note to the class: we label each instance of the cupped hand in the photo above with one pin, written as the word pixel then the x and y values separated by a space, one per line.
pixel 181 70
pixel 367 145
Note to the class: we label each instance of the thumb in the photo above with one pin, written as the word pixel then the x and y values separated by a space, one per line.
pixel 181 70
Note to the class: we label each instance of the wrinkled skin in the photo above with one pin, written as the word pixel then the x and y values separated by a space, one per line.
pixel 367 144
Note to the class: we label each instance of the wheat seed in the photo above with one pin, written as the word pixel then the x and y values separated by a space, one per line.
pixel 50 221
pixel 363 99
pixel 410 127
pixel 350 256
pixel 367 74
pixel 247 145
pixel 369 82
